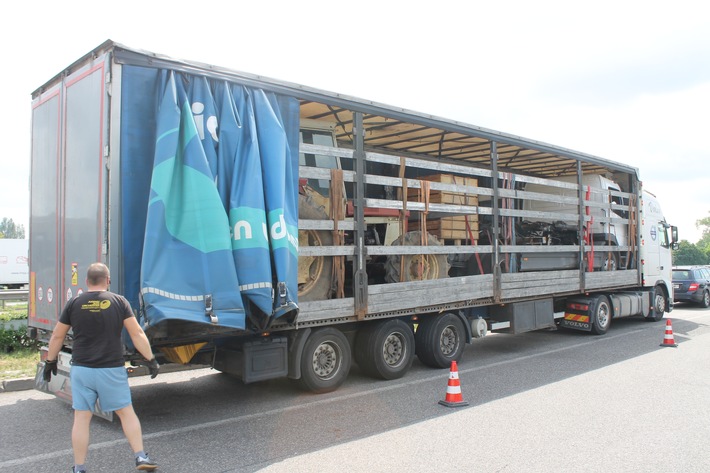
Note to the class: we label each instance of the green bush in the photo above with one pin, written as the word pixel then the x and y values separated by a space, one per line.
pixel 11 340
pixel 13 312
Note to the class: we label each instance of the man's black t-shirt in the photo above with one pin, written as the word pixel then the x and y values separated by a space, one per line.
pixel 96 319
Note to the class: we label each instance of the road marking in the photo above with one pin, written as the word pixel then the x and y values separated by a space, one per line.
pixel 318 402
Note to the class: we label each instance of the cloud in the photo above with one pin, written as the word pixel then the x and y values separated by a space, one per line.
pixel 620 73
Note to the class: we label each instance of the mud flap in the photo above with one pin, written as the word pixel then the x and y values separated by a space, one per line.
pixel 578 314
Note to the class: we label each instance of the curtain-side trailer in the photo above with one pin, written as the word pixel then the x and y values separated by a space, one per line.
pixel 269 229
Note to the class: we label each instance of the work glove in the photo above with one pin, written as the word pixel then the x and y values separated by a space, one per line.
pixel 153 367
pixel 50 368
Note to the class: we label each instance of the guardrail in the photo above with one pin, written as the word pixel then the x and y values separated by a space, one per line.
pixel 13 295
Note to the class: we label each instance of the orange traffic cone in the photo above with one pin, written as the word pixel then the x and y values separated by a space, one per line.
pixel 453 390
pixel 668 340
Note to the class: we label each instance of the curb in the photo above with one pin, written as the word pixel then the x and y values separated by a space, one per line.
pixel 25 384
pixel 19 384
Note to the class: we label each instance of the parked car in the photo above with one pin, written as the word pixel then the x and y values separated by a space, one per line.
pixel 692 284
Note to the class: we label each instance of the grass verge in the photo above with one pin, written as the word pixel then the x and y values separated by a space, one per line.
pixel 18 364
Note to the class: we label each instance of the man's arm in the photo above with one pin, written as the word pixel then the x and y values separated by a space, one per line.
pixel 140 341
pixel 57 340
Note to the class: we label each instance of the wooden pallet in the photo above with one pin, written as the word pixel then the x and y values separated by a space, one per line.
pixel 446 197
pixel 450 228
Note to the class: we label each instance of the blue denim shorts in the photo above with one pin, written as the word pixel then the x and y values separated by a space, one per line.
pixel 108 385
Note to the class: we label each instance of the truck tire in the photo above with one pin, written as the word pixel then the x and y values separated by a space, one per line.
pixel 658 305
pixel 325 362
pixel 416 267
pixel 314 272
pixel 440 339
pixel 385 349
pixel 601 317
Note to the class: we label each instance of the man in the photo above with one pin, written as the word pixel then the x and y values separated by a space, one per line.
pixel 97 318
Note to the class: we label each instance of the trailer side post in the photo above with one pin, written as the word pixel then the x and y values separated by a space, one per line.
pixel 496 224
pixel 359 271
pixel 580 230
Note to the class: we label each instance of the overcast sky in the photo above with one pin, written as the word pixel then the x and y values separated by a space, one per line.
pixel 624 80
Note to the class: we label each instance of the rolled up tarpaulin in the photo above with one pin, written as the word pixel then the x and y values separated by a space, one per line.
pixel 187 268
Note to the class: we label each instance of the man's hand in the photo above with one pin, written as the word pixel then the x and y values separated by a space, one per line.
pixel 50 368
pixel 153 366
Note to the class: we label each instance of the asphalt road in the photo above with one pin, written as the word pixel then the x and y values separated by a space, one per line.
pixel 543 401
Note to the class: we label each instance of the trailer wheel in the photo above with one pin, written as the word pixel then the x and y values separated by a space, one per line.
pixel 658 304
pixel 325 362
pixel 314 272
pixel 385 349
pixel 440 339
pixel 601 318
pixel 416 267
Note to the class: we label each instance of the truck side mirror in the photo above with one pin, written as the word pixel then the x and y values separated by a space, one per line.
pixel 674 237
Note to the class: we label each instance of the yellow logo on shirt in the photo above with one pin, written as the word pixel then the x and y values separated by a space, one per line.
pixel 96 305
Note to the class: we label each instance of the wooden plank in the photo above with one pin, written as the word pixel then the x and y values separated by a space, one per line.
pixel 314 311
pixel 448 223
pixel 450 228
pixel 601 279
pixel 414 297
pixel 458 283
pixel 440 197
pixel 507 294
pixel 455 234
pixel 539 276
pixel 450 234
pixel 451 179
pixel 444 197
pixel 552 284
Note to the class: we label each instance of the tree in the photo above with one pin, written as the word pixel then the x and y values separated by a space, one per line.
pixel 689 254
pixel 8 229
pixel 704 243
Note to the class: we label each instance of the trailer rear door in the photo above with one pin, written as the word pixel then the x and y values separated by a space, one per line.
pixel 68 187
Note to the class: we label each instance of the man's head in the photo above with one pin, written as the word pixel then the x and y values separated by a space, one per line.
pixel 98 275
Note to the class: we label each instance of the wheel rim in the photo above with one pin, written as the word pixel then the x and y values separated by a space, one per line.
pixel 449 341
pixel 326 360
pixel 706 298
pixel 609 264
pixel 423 267
pixel 393 349
pixel 603 315
pixel 660 303
pixel 310 268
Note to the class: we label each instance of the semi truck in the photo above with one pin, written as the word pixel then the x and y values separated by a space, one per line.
pixel 14 266
pixel 269 229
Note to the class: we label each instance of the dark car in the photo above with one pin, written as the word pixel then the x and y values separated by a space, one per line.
pixel 692 284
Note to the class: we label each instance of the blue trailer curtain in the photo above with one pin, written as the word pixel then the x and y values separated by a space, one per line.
pixel 222 210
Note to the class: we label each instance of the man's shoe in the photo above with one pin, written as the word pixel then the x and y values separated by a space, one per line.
pixel 145 463
pixel 74 471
